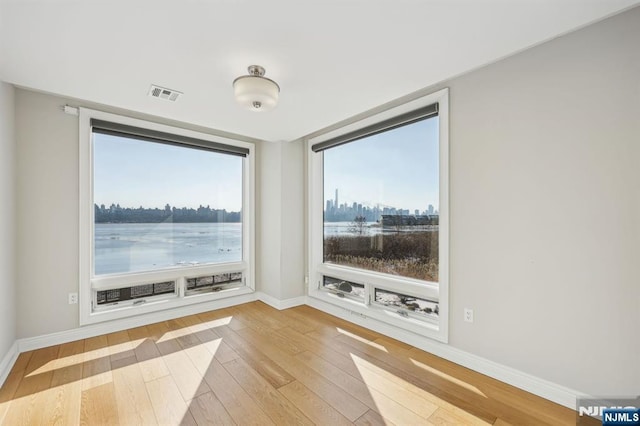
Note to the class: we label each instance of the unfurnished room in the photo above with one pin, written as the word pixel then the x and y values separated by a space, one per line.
pixel 319 213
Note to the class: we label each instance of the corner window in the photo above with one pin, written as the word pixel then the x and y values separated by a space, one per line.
pixel 387 218
pixel 166 215
pixel 378 201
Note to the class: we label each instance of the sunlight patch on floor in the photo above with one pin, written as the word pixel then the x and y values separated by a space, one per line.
pixel 174 334
pixel 68 361
pixel 4 407
pixel 213 345
pixel 185 374
pixel 97 380
pixel 72 360
pixel 386 399
pixel 34 408
pixel 402 402
pixel 362 339
pixel 212 324
pixel 448 377
pixel 202 355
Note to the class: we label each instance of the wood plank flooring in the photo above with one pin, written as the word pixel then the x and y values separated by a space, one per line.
pixel 254 365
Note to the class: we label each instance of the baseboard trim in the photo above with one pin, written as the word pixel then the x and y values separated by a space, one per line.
pixel 92 330
pixel 281 304
pixel 8 361
pixel 537 386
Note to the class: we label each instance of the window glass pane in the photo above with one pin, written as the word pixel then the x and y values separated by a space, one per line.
pixel 342 287
pixel 135 292
pixel 381 202
pixel 212 283
pixel 158 206
pixel 422 307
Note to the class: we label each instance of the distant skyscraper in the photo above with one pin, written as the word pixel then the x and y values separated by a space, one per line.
pixel 335 203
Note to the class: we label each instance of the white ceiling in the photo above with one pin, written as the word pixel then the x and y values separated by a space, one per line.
pixel 332 58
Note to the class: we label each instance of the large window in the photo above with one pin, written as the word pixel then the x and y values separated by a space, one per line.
pixel 378 201
pixel 166 217
pixel 159 206
pixel 387 218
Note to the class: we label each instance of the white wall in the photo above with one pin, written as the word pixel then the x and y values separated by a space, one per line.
pixel 281 219
pixel 48 210
pixel 544 210
pixel 269 225
pixel 7 220
pixel 545 186
pixel 47 152
pixel 292 217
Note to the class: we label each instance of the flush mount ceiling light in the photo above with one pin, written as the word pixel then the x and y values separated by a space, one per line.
pixel 256 92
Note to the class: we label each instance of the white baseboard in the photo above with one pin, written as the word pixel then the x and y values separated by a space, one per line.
pixel 31 343
pixel 28 344
pixel 281 304
pixel 7 362
pixel 537 386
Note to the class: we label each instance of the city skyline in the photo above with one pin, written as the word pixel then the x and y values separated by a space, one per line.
pixel 430 209
pixel 118 214
pixel 330 205
pixel 398 168
pixel 162 207
pixel 154 174
pixel 334 211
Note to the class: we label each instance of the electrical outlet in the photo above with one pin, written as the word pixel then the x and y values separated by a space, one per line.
pixel 73 298
pixel 468 315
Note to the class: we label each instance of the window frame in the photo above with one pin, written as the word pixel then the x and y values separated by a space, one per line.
pixel 372 280
pixel 89 284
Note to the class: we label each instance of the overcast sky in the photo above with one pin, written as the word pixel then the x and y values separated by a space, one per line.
pixel 398 168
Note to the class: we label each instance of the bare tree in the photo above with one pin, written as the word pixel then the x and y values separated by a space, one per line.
pixel 358 226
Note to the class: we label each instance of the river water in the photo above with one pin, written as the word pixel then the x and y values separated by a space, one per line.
pixel 132 247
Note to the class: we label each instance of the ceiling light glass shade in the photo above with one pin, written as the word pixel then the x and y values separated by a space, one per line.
pixel 255 92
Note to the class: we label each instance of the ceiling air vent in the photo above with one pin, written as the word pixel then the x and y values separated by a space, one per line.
pixel 163 93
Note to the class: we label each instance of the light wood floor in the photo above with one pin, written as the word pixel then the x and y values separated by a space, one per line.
pixel 252 364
